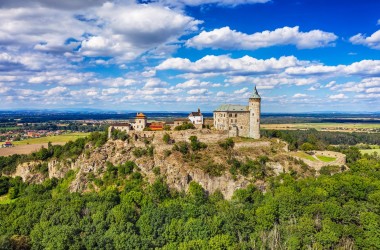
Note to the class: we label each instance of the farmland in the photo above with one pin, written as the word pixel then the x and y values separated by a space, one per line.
pixel 58 139
pixel 31 145
pixel 340 127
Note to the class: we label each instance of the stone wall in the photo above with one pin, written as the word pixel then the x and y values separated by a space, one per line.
pixel 205 135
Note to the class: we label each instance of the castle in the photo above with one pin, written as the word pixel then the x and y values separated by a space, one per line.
pixel 237 120
pixel 240 120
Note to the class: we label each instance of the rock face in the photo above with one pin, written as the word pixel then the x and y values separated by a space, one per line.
pixel 27 171
pixel 176 169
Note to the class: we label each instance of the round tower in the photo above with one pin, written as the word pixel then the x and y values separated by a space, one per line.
pixel 254 114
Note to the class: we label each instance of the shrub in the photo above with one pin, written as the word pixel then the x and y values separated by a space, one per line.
pixel 195 144
pixel 182 147
pixel 166 138
pixel 227 144
pixel 185 126
pixel 139 152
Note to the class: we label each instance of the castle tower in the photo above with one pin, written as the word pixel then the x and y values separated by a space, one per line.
pixel 140 122
pixel 254 114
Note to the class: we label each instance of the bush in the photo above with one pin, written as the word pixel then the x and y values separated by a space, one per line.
pixel 166 138
pixel 185 126
pixel 195 144
pixel 139 152
pixel 182 147
pixel 227 144
pixel 119 135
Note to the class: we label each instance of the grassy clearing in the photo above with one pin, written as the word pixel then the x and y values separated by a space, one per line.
pixel 4 199
pixel 323 126
pixel 305 156
pixel 370 151
pixel 53 139
pixel 325 158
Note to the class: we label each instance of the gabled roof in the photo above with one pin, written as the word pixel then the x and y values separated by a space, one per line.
pixel 195 114
pixel 232 107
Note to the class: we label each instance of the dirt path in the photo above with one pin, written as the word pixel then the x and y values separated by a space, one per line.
pixel 23 149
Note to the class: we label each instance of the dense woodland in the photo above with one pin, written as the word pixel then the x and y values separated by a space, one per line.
pixel 341 211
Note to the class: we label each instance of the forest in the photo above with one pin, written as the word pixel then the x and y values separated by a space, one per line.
pixel 340 211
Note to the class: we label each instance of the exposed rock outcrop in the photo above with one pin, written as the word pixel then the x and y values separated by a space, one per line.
pixel 174 167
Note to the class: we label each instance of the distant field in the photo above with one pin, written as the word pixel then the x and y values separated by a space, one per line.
pixel 31 145
pixel 370 151
pixel 53 139
pixel 347 127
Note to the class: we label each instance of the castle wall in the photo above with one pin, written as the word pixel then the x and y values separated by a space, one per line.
pixel 226 120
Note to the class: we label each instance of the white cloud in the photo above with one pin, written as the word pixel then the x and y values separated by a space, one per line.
pixel 338 96
pixel 197 91
pixel 299 95
pixel 365 85
pixel 155 83
pixel 194 83
pixel 110 91
pixel 179 3
pixel 241 91
pixel 330 84
pixel 225 38
pixel 116 82
pixel 225 63
pixel 372 41
pixel 121 30
pixel 145 27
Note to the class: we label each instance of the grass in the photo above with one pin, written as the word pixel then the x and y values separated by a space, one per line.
pixel 5 200
pixel 370 151
pixel 305 156
pixel 53 139
pixel 323 126
pixel 325 158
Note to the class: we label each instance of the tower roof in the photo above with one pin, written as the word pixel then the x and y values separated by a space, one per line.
pixel 255 94
pixel 140 115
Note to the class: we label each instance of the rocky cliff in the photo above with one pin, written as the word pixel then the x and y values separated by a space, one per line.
pixel 176 168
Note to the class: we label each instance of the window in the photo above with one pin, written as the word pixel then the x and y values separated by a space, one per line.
pixel 235 115
pixel 232 120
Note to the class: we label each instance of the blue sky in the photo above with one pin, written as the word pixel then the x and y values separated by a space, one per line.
pixel 167 55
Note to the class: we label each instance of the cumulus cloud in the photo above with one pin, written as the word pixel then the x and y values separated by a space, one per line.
pixel 338 96
pixel 299 95
pixel 143 28
pixel 372 41
pixel 67 4
pixel 368 85
pixel 225 38
pixel 195 83
pixel 155 83
pixel 197 91
pixel 232 3
pixel 124 31
pixel 225 63
pixel 241 91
